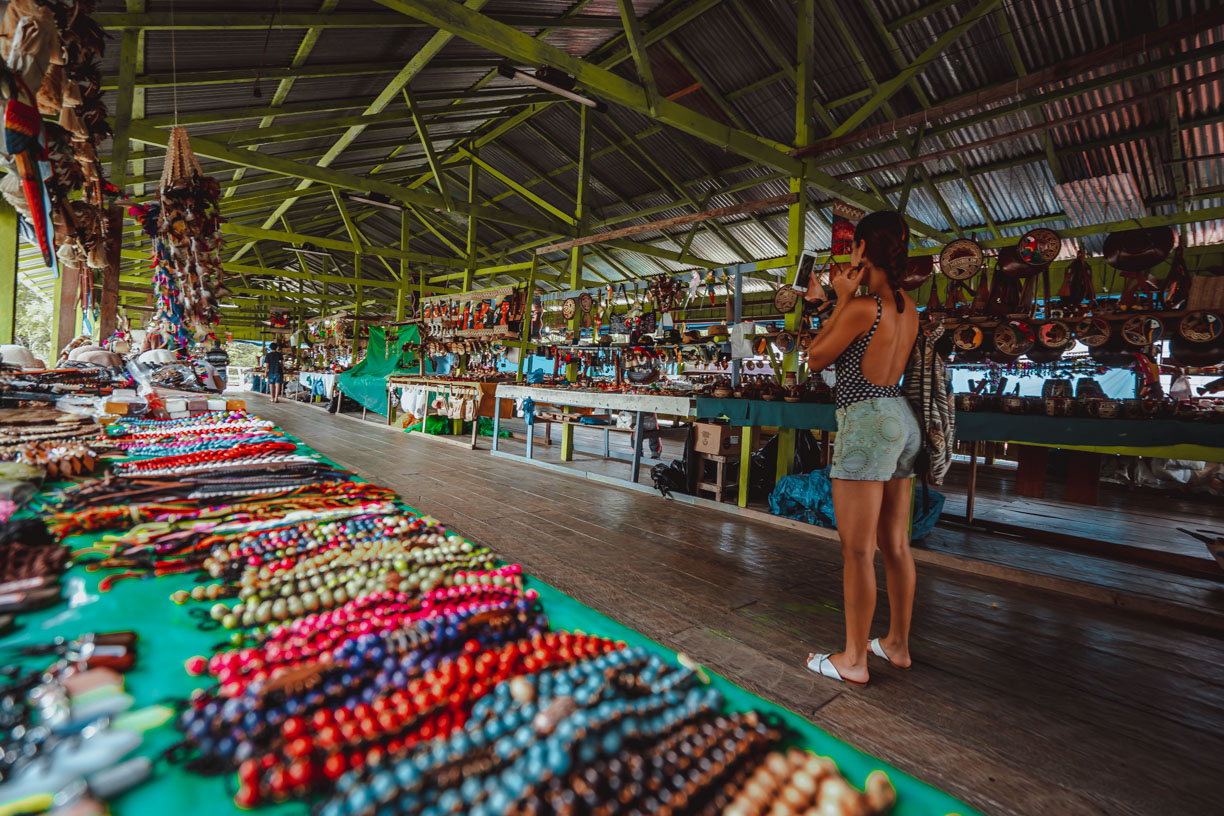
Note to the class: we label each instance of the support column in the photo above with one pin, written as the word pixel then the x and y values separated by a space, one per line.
pixel 357 307
pixel 8 273
pixel 108 302
pixel 405 282
pixel 473 200
pixel 525 329
pixel 67 287
pixel 797 215
pixel 575 278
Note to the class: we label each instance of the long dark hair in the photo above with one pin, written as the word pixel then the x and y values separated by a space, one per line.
pixel 887 237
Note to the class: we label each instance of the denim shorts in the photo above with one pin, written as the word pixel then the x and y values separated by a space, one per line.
pixel 877 440
pixel 276 379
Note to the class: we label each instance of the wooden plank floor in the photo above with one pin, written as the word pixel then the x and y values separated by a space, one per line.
pixel 1020 701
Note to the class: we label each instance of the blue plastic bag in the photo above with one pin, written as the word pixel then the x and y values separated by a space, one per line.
pixel 808 497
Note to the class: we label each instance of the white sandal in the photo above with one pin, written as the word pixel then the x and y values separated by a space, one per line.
pixel 822 665
pixel 878 651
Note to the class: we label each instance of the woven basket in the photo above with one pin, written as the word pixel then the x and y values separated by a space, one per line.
pixel 181 163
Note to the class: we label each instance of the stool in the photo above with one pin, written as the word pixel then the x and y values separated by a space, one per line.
pixel 720 473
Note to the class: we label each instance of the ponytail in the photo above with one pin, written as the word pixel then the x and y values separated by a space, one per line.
pixel 887 247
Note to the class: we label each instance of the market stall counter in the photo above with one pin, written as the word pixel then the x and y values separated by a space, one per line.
pixel 458 399
pixel 318 384
pixel 1087 437
pixel 336 695
pixel 567 398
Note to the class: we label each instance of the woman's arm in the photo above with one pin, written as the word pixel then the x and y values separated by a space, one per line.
pixel 843 326
pixel 846 324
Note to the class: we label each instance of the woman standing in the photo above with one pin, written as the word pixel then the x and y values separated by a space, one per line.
pixel 870 338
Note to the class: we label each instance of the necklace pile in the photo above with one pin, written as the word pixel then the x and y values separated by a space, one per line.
pixel 377 662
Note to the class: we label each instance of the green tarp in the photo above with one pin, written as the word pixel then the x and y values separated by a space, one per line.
pixel 366 382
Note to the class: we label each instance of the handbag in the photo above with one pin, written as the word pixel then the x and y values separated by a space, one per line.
pixel 618 323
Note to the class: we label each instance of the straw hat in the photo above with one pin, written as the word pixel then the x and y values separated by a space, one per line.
pixel 157 357
pixel 20 356
pixel 76 353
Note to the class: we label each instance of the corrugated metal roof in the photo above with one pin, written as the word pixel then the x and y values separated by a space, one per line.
pixel 1098 135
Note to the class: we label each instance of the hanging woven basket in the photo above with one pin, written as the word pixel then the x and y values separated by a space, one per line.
pixel 181 165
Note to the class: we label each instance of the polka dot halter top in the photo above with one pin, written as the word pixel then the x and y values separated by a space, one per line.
pixel 852 386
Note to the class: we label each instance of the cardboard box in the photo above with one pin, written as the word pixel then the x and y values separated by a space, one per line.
pixel 722 440
pixel 235 405
pixel 119 408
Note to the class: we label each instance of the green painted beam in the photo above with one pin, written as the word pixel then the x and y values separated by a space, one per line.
pixel 128 56
pixel 430 156
pixel 423 57
pixel 521 191
pixel 486 101
pixel 637 48
pixel 324 175
pixel 919 14
pixel 514 45
pixel 291 274
pixel 276 236
pixel 240 75
pixel 349 226
pixel 305 46
pixel 933 51
pixel 227 21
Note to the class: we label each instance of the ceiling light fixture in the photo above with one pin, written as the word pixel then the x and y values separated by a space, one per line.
pixel 552 80
pixel 374 200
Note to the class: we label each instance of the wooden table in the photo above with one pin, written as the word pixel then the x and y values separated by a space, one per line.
pixel 487 404
pixel 637 404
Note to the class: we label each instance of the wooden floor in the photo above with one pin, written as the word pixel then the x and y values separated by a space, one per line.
pixel 1021 701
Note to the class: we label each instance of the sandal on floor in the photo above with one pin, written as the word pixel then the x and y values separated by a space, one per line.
pixel 878 651
pixel 822 665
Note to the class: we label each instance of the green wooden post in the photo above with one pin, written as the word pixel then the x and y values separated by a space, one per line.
pixel 473 198
pixel 575 280
pixel 797 215
pixel 8 273
pixel 357 308
pixel 405 282
pixel 525 331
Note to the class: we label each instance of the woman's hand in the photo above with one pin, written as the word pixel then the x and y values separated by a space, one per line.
pixel 846 281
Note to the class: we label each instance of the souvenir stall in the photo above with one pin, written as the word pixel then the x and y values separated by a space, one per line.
pixel 1004 319
pixel 664 348
pixel 322 643
pixel 467 344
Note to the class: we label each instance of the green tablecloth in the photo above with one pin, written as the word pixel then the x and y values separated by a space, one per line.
pixel 775 414
pixel 1044 430
pixel 169 635
pixel 1137 437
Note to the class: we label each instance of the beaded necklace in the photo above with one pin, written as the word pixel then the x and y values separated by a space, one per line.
pixel 206 443
pixel 349 738
pixel 227 454
pixel 512 743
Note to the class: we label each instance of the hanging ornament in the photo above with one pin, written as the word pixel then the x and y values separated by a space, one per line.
pixel 188 278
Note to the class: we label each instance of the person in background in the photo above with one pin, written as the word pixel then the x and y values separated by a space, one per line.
pixel 275 361
pixel 650 422
pixel 878 441
pixel 218 359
